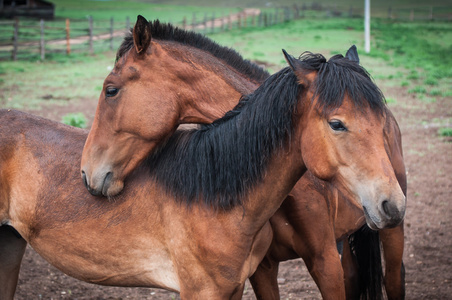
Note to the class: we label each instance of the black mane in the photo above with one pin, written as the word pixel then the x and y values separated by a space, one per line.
pixel 218 164
pixel 167 32
pixel 338 77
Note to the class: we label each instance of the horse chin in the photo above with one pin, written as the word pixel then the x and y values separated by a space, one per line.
pixel 113 189
pixel 370 222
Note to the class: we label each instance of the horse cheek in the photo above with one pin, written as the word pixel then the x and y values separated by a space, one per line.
pixel 319 159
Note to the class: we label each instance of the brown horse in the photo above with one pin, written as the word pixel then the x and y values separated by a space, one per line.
pixel 182 68
pixel 193 219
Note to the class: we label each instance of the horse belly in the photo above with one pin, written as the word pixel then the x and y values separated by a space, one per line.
pixel 121 262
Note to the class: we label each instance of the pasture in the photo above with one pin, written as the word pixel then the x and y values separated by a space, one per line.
pixel 410 62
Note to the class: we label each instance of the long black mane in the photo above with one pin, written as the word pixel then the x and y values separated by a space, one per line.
pixel 220 162
pixel 167 32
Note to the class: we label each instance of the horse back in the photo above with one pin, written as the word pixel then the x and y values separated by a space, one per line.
pixel 30 149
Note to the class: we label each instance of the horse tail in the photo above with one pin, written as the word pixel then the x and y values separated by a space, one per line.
pixel 365 247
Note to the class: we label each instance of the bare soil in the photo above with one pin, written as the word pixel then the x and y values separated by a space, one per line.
pixel 428 224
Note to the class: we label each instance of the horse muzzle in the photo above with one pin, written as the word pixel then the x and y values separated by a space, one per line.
pixel 387 215
pixel 102 184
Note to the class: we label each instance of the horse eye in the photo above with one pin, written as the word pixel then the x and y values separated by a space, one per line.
pixel 337 125
pixel 111 92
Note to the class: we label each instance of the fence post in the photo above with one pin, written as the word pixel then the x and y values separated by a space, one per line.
pixel 412 15
pixel 213 23
pixel 184 23
pixel 90 18
pixel 205 23
pixel 127 23
pixel 42 46
pixel 296 12
pixel 68 37
pixel 15 39
pixel 112 22
pixel 431 13
pixel 193 23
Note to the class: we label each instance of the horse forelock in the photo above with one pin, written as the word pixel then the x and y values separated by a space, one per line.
pixel 218 164
pixel 339 77
pixel 167 32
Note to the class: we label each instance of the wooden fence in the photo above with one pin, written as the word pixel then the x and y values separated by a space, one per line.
pixel 28 39
pixel 31 39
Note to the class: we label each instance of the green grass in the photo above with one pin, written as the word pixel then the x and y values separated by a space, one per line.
pixel 265 44
pixel 120 10
pixel 418 90
pixel 415 55
pixel 446 131
pixel 75 119
pixel 69 79
pixel 390 100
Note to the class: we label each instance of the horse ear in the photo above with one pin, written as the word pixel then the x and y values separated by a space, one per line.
pixel 352 54
pixel 141 34
pixel 295 65
pixel 290 60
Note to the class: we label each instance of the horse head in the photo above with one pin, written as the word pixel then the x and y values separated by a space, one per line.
pixel 342 138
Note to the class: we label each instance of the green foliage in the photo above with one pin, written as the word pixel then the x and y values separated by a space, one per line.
pixel 390 100
pixel 446 131
pixel 75 119
pixel 431 81
pixel 426 99
pixel 404 83
pixel 418 90
pixel 413 75
pixel 416 46
pixel 435 92
pixel 120 10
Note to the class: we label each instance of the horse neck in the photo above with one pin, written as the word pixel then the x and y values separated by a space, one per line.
pixel 211 86
pixel 284 171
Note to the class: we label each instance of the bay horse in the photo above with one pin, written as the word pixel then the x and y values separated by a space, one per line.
pixel 192 219
pixel 159 62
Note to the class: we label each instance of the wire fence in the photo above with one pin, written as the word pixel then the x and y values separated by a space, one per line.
pixel 23 39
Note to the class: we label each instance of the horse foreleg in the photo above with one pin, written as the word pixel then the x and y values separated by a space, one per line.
pixel 325 267
pixel 12 248
pixel 350 267
pixel 265 280
pixel 392 241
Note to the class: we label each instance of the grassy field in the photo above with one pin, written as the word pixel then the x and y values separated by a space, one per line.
pixel 415 55
pixel 119 10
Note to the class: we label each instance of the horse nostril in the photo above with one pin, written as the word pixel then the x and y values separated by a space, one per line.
pixel 85 181
pixel 390 209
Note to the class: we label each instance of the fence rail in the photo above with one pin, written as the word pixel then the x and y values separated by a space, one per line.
pixel 31 39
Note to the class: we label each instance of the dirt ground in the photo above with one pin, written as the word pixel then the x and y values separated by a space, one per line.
pixel 428 224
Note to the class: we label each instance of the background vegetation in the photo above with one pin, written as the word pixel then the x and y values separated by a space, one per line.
pixel 410 54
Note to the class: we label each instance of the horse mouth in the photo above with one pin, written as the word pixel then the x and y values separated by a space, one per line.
pixel 372 225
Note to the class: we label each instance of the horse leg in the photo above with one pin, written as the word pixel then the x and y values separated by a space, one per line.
pixel 265 280
pixel 325 267
pixel 12 249
pixel 392 241
pixel 350 267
